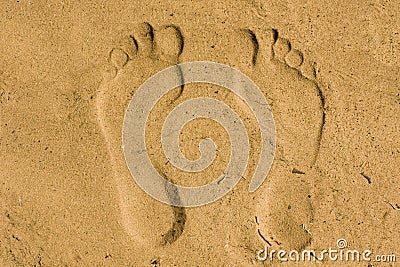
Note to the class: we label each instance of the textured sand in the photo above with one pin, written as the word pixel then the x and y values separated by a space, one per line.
pixel 66 198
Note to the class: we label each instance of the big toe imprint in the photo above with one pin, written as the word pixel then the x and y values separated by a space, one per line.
pixel 137 58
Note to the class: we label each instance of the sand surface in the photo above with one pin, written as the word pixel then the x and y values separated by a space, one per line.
pixel 329 70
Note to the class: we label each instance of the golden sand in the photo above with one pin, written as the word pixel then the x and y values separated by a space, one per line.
pixel 329 71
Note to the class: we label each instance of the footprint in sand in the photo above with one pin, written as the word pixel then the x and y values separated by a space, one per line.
pixel 284 212
pixel 147 51
pixel 280 212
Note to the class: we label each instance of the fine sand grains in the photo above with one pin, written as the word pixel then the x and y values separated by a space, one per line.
pixel 329 72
